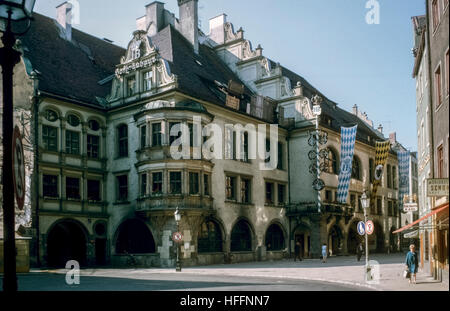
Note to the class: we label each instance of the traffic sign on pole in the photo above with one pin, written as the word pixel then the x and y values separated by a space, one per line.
pixel 370 227
pixel 361 228
pixel 177 237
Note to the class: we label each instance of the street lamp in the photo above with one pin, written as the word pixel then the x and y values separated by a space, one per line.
pixel 17 12
pixel 317 111
pixel 365 201
pixel 177 215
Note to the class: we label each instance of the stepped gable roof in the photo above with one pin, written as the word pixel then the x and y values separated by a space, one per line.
pixel 197 74
pixel 70 69
pixel 339 117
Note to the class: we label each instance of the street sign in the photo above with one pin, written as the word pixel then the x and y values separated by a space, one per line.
pixel 437 187
pixel 18 168
pixel 410 207
pixel 177 237
pixel 361 228
pixel 369 227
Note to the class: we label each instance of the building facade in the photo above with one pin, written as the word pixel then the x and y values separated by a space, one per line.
pixel 103 123
pixel 438 36
pixel 431 69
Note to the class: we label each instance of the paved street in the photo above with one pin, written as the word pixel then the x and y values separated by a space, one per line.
pixel 338 274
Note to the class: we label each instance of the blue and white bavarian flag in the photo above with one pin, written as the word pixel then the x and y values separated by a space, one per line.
pixel 403 172
pixel 348 138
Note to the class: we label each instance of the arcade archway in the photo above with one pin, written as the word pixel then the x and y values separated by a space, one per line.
pixel 66 241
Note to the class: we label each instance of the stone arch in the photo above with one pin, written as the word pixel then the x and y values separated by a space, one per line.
pixel 75 113
pixel 275 236
pixel 353 237
pixel 393 240
pixel 302 233
pixel 211 236
pixel 239 236
pixel 134 236
pixel 52 107
pixel 67 239
pixel 376 239
pixel 336 240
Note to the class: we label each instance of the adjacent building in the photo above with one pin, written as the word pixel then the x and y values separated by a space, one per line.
pixel 431 71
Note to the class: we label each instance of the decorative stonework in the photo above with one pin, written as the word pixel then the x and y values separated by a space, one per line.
pixel 247 52
pixel 230 35
pixel 286 89
pixel 166 77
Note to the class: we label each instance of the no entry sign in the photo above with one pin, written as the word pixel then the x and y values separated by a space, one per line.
pixel 177 237
pixel 369 227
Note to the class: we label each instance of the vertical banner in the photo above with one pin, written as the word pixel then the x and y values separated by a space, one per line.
pixel 382 149
pixel 403 172
pixel 348 138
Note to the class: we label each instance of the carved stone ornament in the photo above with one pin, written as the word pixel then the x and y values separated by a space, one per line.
pixel 229 32
pixel 265 67
pixel 286 89
pixel 247 52
pixel 166 77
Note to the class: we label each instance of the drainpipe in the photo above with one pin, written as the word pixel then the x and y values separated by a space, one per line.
pixel 35 101
pixel 288 138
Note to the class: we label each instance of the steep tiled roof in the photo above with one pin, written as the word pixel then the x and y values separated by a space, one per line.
pixel 196 73
pixel 338 117
pixel 70 69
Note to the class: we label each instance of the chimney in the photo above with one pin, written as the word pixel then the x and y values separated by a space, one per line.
pixel 380 128
pixel 355 110
pixel 189 21
pixel 64 18
pixel 153 21
pixel 217 28
pixel 393 138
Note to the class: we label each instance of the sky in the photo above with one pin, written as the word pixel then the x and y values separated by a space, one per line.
pixel 328 42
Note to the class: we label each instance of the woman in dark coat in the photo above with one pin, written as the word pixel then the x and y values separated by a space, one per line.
pixel 412 262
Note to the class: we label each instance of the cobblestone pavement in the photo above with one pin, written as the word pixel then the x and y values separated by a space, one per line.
pixel 342 270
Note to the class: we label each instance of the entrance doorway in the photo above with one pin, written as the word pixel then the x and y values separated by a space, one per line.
pixel 66 241
pixel 100 252
pixel 335 241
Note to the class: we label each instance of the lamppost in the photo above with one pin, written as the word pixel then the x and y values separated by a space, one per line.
pixel 177 215
pixel 17 12
pixel 365 201
pixel 317 111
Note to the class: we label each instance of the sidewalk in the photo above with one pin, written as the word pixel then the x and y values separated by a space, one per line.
pixel 341 270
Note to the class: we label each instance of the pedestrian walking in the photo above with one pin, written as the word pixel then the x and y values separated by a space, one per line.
pixel 297 251
pixel 359 251
pixel 324 253
pixel 412 263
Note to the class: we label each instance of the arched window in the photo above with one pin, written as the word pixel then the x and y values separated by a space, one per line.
pixel 73 120
pixel 51 115
pixel 122 132
pixel 274 238
pixel 356 168
pixel 241 237
pixel 210 238
pixel 332 162
pixel 134 238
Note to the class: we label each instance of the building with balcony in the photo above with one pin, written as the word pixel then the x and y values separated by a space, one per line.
pixel 107 180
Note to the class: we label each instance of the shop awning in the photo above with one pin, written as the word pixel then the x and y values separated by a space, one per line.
pixel 421 219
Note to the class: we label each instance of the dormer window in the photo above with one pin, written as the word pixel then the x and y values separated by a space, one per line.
pixel 148 77
pixel 131 86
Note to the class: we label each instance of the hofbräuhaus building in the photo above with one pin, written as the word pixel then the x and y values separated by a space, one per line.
pixel 103 181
